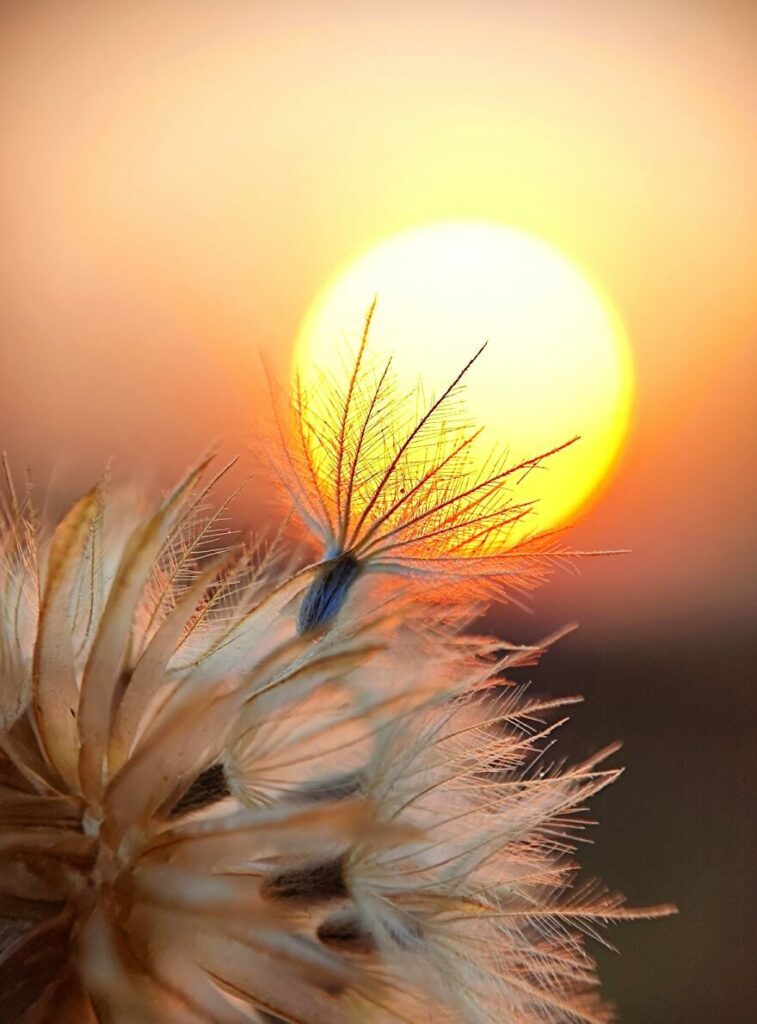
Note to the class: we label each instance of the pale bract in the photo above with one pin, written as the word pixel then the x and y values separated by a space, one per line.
pixel 209 815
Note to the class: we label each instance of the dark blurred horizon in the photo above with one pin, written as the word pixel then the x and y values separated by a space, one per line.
pixel 679 825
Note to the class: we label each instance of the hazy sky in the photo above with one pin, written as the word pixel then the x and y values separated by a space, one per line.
pixel 178 180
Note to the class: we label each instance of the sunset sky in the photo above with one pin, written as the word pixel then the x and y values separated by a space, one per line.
pixel 180 179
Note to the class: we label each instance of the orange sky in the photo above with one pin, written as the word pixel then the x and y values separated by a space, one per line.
pixel 179 179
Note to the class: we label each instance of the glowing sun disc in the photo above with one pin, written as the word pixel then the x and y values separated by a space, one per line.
pixel 557 362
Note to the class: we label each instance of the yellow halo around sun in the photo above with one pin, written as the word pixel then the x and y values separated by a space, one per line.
pixel 557 363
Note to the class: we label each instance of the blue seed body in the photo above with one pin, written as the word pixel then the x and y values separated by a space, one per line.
pixel 327 593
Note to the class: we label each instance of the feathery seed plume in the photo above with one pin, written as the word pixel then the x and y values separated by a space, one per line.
pixel 388 483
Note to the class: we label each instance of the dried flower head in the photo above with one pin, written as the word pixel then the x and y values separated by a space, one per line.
pixel 391 483
pixel 208 816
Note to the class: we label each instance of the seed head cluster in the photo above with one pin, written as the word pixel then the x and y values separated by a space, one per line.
pixel 234 791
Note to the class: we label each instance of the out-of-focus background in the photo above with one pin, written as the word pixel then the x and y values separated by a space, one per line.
pixel 179 179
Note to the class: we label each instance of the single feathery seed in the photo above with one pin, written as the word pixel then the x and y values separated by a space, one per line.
pixel 386 483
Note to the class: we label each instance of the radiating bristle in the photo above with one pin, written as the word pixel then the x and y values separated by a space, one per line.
pixel 388 483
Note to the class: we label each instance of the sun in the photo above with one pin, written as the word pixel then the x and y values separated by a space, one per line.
pixel 557 363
